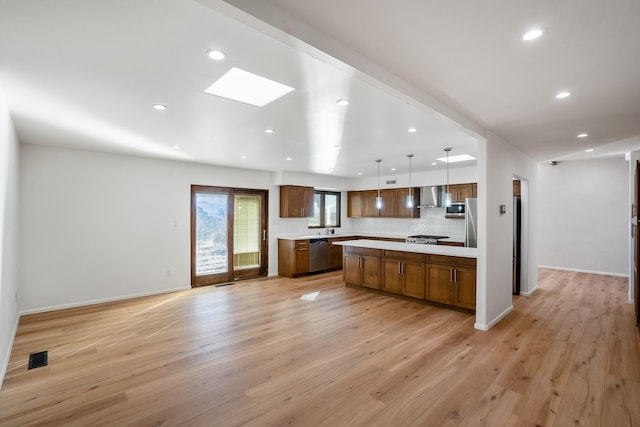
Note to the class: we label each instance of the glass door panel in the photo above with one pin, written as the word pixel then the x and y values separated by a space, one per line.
pixel 247 232
pixel 210 235
pixel 228 234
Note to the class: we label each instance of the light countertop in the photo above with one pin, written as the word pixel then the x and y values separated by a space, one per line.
pixel 359 234
pixel 412 247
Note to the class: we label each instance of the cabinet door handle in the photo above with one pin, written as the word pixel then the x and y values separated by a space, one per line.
pixel 399 267
pixel 264 234
pixel 455 275
pixel 451 275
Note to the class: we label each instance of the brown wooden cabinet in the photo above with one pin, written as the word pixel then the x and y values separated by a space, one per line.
pixel 363 203
pixel 355 204
pixel 296 201
pixel 335 252
pixel 516 187
pixel 293 257
pixel 369 199
pixel 388 203
pixel 451 280
pixel 441 243
pixel 403 273
pixel 362 267
pixel 402 211
pixel 460 192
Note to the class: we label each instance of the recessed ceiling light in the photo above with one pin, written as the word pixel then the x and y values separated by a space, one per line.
pixel 458 158
pixel 563 94
pixel 337 147
pixel 243 157
pixel 582 135
pixel 216 55
pixel 175 147
pixel 243 86
pixel 288 159
pixel 412 130
pixel 269 131
pixel 159 107
pixel 360 173
pixel 434 164
pixel 589 150
pixel 343 102
pixel 393 169
pixel 532 34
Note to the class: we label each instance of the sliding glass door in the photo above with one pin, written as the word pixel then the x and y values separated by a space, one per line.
pixel 228 234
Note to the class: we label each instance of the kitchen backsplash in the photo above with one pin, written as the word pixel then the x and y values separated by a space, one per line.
pixel 431 221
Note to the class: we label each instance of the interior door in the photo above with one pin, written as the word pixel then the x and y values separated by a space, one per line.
pixel 228 234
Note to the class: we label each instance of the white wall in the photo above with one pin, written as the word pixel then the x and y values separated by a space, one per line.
pixel 8 235
pixel 584 215
pixel 498 163
pixel 98 226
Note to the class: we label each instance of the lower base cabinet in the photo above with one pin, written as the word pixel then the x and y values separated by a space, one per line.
pixel 442 279
pixel 452 281
pixel 361 267
pixel 293 257
pixel 403 273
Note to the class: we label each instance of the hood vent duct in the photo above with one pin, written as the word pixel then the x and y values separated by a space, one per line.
pixel 431 197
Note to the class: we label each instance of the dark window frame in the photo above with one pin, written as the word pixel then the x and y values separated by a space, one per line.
pixel 323 220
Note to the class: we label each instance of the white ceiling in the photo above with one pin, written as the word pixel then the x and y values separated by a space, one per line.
pixel 84 74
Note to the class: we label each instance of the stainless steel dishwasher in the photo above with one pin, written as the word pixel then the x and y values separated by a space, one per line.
pixel 318 254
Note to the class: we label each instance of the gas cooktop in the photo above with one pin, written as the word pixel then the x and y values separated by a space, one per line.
pixel 427 236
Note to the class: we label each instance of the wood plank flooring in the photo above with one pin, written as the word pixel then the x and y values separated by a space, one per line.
pixel 257 354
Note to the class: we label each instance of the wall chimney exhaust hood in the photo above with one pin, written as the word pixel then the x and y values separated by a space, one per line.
pixel 431 197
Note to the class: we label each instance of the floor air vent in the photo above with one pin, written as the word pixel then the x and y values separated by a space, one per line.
pixel 223 284
pixel 39 359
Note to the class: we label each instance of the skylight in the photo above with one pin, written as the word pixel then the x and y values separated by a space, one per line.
pixel 243 86
pixel 458 158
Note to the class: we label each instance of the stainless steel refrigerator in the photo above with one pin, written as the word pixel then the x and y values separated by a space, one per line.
pixel 517 252
pixel 471 223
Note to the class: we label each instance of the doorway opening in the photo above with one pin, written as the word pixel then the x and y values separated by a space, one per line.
pixel 228 234
pixel 520 269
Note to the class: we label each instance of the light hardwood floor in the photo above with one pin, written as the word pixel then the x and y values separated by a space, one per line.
pixel 257 354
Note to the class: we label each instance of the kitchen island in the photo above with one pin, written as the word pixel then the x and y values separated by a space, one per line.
pixel 444 275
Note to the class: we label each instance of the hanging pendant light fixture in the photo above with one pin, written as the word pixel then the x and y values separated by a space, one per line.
pixel 447 194
pixel 378 199
pixel 410 193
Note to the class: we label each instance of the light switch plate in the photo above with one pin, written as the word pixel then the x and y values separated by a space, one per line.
pixel 503 209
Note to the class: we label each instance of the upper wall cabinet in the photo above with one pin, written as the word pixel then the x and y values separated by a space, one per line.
pixel 460 192
pixel 296 201
pixel 362 204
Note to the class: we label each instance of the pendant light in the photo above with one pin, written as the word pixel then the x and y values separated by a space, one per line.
pixel 447 194
pixel 378 199
pixel 410 193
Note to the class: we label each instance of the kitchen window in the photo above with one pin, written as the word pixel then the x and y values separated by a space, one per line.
pixel 326 209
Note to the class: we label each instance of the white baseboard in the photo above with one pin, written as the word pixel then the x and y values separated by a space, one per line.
pixel 578 270
pixel 98 301
pixel 529 293
pixel 5 363
pixel 491 324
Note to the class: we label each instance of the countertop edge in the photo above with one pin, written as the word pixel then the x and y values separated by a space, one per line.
pixel 455 251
